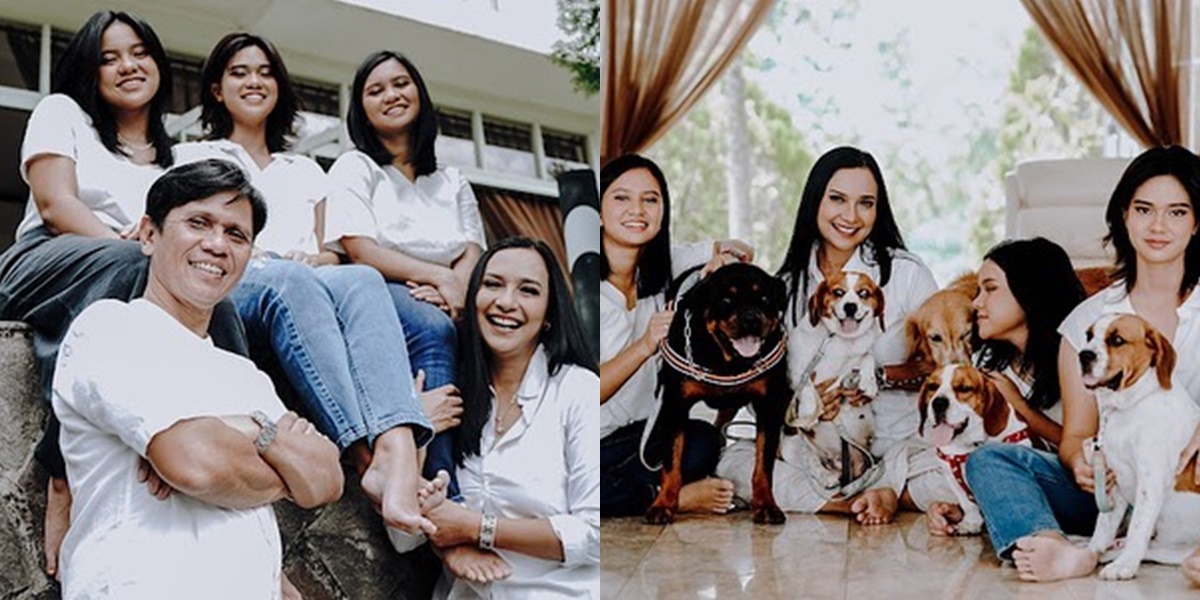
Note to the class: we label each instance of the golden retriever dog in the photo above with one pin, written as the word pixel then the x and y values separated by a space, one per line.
pixel 939 332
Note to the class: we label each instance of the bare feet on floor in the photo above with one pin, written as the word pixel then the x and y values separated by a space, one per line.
pixel 393 479
pixel 942 518
pixel 709 495
pixel 1191 567
pixel 875 507
pixel 1050 557
pixel 58 519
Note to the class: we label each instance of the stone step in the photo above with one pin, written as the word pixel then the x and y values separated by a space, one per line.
pixel 337 551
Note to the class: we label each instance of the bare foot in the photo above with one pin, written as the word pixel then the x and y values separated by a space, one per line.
pixel 474 564
pixel 943 517
pixel 58 519
pixel 433 493
pixel 1050 557
pixel 392 481
pixel 1191 567
pixel 875 507
pixel 709 495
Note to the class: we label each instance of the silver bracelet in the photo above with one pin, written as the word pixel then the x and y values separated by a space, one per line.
pixel 267 434
pixel 487 532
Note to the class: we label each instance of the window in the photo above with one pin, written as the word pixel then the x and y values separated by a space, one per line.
pixel 20 53
pixel 508 147
pixel 455 144
pixel 564 151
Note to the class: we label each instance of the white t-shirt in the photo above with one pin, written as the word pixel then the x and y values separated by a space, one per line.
pixel 910 284
pixel 621 327
pixel 1114 299
pixel 547 465
pixel 125 373
pixel 292 185
pixel 432 219
pixel 110 185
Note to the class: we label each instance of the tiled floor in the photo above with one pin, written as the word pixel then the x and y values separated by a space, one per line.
pixel 829 557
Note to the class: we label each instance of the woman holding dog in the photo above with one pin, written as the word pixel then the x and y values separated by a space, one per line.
pixel 1030 500
pixel 638 264
pixel 845 222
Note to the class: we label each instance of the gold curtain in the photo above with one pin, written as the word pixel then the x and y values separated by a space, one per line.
pixel 1131 54
pixel 660 56
pixel 506 213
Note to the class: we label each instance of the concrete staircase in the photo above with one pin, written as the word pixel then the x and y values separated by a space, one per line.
pixel 337 551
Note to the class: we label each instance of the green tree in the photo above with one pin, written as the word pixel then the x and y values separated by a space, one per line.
pixel 579 52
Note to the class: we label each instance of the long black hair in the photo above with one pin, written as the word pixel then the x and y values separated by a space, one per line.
pixel 424 128
pixel 218 123
pixel 654 261
pixel 77 74
pixel 564 342
pixel 1045 285
pixel 1177 162
pixel 884 236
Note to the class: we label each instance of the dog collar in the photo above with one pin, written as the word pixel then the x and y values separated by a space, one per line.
pixel 956 461
pixel 688 367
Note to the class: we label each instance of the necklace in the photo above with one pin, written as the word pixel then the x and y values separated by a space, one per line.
pixel 134 147
pixel 502 416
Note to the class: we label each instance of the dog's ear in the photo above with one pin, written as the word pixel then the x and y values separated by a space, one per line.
pixel 816 302
pixel 779 294
pixel 927 389
pixel 995 408
pixel 1164 357
pixel 878 293
pixel 918 346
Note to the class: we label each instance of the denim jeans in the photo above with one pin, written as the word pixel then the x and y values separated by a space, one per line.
pixel 433 348
pixel 1022 491
pixel 627 487
pixel 339 344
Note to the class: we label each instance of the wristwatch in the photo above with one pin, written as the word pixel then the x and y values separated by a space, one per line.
pixel 266 435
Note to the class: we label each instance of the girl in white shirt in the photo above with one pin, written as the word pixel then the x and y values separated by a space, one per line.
pixel 91 150
pixel 332 329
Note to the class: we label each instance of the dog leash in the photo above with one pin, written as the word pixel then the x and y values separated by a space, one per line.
pixel 794 405
pixel 1100 468
pixel 685 365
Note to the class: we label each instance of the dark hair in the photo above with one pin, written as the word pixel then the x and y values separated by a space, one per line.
pixel 564 342
pixel 281 123
pixel 424 128
pixel 654 260
pixel 77 75
pixel 1045 285
pixel 884 236
pixel 1177 162
pixel 199 180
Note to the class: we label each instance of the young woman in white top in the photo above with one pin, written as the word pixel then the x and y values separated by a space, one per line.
pixel 91 150
pixel 392 208
pixel 529 445
pixel 332 329
pixel 1152 227
pixel 845 222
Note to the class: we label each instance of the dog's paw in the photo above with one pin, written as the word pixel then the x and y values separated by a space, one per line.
pixel 660 515
pixel 1120 569
pixel 768 514
pixel 969 527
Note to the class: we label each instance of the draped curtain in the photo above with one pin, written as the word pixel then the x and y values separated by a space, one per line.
pixel 659 59
pixel 1131 54
pixel 506 213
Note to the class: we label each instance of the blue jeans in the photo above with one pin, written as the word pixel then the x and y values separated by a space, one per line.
pixel 1022 491
pixel 338 343
pixel 627 487
pixel 433 348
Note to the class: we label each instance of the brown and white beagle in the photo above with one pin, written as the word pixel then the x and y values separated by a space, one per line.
pixel 1145 422
pixel 940 331
pixel 961 409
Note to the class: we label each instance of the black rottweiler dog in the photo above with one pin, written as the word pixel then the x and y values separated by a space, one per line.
pixel 725 347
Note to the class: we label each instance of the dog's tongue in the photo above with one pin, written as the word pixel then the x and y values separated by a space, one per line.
pixel 941 434
pixel 848 325
pixel 747 346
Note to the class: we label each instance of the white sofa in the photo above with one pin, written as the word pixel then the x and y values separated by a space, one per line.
pixel 1063 200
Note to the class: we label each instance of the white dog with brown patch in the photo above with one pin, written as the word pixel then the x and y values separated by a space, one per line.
pixel 850 306
pixel 961 409
pixel 1145 422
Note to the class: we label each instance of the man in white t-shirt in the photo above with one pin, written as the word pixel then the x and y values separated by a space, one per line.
pixel 141 383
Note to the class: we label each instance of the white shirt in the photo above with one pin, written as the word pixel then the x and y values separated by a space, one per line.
pixel 910 284
pixel 110 185
pixel 547 465
pixel 1114 299
pixel 432 219
pixel 621 327
pixel 125 373
pixel 292 186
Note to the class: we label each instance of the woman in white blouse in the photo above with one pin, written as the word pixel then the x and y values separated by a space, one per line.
pixel 91 150
pixel 529 447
